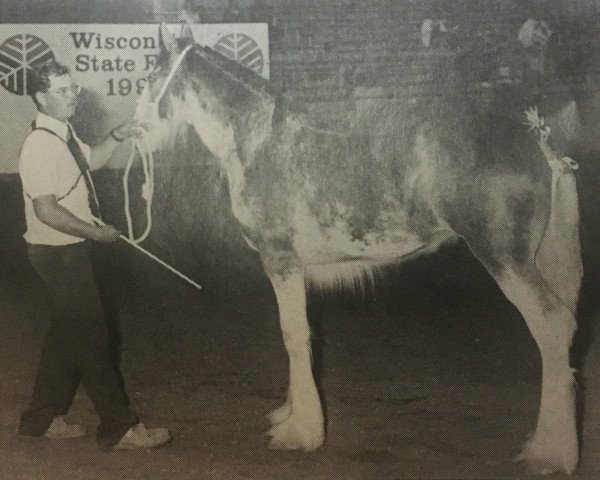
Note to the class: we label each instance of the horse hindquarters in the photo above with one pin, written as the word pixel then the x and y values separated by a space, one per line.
pixel 559 255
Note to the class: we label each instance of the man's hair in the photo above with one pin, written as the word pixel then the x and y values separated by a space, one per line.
pixel 40 82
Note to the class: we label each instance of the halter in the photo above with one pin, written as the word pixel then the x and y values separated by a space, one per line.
pixel 172 73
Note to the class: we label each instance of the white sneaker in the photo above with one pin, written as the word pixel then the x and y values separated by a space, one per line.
pixel 139 436
pixel 59 429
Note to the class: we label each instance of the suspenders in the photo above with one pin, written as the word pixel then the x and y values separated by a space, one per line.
pixel 35 127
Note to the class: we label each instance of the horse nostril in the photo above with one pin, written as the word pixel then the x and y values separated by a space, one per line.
pixel 204 105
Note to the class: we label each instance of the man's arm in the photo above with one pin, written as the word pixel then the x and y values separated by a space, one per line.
pixel 59 218
pixel 101 153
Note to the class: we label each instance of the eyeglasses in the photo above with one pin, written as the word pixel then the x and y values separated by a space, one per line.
pixel 75 89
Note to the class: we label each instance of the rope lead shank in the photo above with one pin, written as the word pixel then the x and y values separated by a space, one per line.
pixel 147 108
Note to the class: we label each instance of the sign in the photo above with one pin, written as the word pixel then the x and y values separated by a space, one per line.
pixel 110 62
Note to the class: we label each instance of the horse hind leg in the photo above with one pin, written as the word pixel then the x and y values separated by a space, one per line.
pixel 298 424
pixel 553 447
pixel 559 254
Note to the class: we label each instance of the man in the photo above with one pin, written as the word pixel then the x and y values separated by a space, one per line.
pixel 60 206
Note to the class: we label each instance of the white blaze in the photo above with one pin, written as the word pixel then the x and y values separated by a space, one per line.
pixel 147 114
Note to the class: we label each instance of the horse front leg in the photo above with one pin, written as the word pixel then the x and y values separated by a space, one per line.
pixel 298 424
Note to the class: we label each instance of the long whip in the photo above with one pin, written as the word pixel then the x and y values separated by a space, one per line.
pixel 153 257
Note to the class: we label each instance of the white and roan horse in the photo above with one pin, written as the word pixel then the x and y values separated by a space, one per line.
pixel 334 208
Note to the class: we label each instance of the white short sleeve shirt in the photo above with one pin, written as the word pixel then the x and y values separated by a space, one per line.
pixel 47 167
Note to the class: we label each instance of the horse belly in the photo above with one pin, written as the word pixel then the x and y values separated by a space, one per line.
pixel 318 242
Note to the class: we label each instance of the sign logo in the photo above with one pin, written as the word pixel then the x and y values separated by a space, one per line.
pixel 242 49
pixel 18 56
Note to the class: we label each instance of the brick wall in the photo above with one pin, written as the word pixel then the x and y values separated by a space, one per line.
pixel 326 51
pixel 329 50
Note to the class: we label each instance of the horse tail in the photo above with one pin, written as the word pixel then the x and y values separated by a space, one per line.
pixel 558 257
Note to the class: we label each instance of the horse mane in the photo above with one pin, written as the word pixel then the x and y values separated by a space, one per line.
pixel 243 74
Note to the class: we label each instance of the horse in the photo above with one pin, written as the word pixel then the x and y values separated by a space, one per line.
pixel 335 208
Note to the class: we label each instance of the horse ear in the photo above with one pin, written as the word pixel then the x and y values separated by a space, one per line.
pixel 167 41
pixel 186 32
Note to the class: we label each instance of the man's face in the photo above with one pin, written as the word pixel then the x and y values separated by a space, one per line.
pixel 60 101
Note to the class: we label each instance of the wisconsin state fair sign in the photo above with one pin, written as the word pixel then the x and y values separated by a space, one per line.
pixel 111 63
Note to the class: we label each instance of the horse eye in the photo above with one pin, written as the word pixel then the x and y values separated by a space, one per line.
pixel 154 75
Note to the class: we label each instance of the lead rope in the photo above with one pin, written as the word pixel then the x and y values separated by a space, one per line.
pixel 147 161
pixel 147 187
pixel 147 194
pixel 144 146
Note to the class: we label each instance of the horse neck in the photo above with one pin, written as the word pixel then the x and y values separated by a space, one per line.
pixel 250 131
pixel 252 128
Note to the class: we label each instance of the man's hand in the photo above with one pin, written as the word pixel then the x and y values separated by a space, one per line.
pixel 102 152
pixel 58 217
pixel 131 129
pixel 107 233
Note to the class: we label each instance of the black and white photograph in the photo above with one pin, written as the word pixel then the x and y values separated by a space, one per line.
pixel 299 239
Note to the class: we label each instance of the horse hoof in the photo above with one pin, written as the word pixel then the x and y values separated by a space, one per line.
pixel 292 434
pixel 540 458
pixel 280 415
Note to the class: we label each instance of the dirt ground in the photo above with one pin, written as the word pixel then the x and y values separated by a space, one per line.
pixel 437 378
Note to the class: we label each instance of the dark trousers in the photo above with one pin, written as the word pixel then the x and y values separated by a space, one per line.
pixel 76 348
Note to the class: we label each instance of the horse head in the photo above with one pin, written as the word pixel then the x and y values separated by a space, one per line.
pixel 197 86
